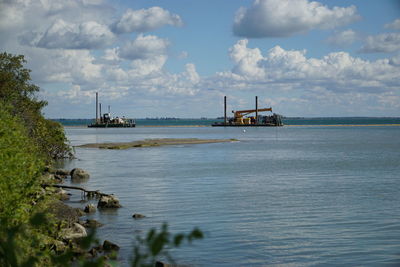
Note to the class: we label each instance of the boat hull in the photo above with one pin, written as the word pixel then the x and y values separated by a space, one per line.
pixel 112 125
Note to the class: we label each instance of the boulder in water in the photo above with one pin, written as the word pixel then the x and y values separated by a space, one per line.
pixel 138 216
pixel 90 208
pixel 79 174
pixel 107 246
pixel 108 201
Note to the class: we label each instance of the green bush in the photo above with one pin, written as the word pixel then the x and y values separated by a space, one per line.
pixel 20 168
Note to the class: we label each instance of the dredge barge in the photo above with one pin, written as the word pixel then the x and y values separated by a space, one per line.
pixel 239 119
pixel 107 121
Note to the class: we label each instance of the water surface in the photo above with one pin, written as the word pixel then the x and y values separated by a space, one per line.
pixel 298 196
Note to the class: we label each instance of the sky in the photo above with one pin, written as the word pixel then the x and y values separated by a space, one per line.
pixel 179 58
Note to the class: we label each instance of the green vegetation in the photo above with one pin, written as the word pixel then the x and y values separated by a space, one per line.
pixel 29 235
pixel 27 143
pixel 17 91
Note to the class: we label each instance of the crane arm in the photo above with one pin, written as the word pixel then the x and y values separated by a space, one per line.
pixel 241 113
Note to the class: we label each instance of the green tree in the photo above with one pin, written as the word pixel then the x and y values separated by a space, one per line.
pixel 17 90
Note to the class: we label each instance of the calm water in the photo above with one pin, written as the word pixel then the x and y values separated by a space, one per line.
pixel 292 196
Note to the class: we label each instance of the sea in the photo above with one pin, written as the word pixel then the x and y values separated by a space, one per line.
pixel 315 192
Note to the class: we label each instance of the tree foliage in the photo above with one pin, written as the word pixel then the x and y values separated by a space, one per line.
pixel 17 90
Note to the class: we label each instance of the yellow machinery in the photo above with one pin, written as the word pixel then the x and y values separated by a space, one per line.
pixel 239 118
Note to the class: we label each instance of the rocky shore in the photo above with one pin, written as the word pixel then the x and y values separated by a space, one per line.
pixel 71 230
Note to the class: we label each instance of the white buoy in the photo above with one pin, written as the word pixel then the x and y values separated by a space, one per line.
pixel 244 130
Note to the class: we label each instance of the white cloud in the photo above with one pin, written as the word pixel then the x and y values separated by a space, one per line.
pixel 145 20
pixel 395 25
pixel 65 66
pixel 61 34
pixel 280 18
pixel 382 43
pixel 146 66
pixel 111 55
pixel 246 59
pixel 338 72
pixel 343 38
pixel 144 47
pixel 191 73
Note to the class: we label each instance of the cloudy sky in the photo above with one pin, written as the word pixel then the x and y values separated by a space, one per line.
pixel 178 58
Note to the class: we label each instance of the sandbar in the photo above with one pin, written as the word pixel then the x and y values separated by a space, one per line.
pixel 155 142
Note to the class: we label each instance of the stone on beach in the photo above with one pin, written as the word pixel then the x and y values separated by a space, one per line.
pixel 108 201
pixel 62 172
pixel 76 231
pixel 90 223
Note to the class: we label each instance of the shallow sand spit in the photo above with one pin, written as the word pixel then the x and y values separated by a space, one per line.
pixel 156 142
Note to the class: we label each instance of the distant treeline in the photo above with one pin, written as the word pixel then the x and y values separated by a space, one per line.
pixel 286 121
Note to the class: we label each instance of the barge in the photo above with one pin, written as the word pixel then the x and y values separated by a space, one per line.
pixel 241 118
pixel 107 121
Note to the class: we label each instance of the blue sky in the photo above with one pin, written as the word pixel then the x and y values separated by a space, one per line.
pixel 178 58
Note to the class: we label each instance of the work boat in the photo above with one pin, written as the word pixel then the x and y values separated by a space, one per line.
pixel 106 121
pixel 240 120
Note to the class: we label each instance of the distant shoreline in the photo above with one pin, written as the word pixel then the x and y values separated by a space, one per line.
pixel 293 125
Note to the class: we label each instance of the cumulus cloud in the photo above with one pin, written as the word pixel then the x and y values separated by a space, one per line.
pixel 246 59
pixel 144 47
pixel 144 20
pixel 343 38
pixel 280 18
pixel 382 43
pixel 337 71
pixel 61 34
pixel 66 66
pixel 395 25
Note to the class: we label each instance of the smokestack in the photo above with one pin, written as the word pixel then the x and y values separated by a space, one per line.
pixel 256 109
pixel 225 110
pixel 97 105
pixel 100 112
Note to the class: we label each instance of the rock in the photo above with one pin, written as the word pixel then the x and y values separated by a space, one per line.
pixel 138 216
pixel 49 169
pixel 76 231
pixel 80 212
pixel 62 172
pixel 93 251
pixel 59 246
pixel 108 201
pixel 89 223
pixel 107 246
pixel 161 264
pixel 90 208
pixel 58 178
pixel 64 212
pixel 79 174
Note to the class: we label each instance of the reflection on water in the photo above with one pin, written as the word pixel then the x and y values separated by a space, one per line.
pixel 291 195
